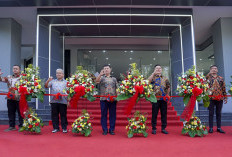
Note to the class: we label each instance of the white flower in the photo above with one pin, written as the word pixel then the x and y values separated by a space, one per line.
pixel 29 120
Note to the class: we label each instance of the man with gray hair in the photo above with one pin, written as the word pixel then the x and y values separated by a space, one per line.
pixel 58 105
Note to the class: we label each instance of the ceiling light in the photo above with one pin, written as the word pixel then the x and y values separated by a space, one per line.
pixel 159 52
pixel 131 51
pixel 154 58
pixel 107 58
pixel 200 59
pixel 125 51
pixel 104 51
pixel 130 58
pixel 90 51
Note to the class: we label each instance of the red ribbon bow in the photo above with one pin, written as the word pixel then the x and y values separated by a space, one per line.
pixel 23 106
pixel 218 97
pixel 188 110
pixel 110 97
pixel 79 92
pixel 57 96
pixel 10 95
pixel 132 101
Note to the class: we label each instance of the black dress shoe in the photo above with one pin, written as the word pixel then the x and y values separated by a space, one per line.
pixel 104 133
pixel 112 132
pixel 210 130
pixel 153 132
pixel 220 130
pixel 164 131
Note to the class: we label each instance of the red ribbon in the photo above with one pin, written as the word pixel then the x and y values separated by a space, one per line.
pixel 167 98
pixel 23 106
pixel 57 96
pixel 79 92
pixel 132 101
pixel 188 110
pixel 10 95
pixel 218 97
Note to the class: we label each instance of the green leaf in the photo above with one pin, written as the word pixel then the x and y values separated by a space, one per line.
pixel 40 96
pixel 28 97
pixel 21 129
pixel 87 132
pixel 152 98
pixel 186 99
pixel 91 98
pixel 206 101
pixel 123 97
pixel 205 132
pixel 192 133
pixel 145 134
pixel 199 99
pixel 130 135
pixel 37 129
pixel 184 131
pixel 199 133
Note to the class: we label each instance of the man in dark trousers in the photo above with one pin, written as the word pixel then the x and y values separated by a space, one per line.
pixel 218 89
pixel 161 88
pixel 108 86
pixel 58 106
pixel 13 102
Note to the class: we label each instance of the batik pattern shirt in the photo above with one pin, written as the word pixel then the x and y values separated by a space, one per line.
pixel 108 86
pixel 58 86
pixel 11 80
pixel 216 86
pixel 160 86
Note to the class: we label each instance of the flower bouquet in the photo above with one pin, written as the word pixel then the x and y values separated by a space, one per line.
pixel 192 86
pixel 194 127
pixel 133 87
pixel 80 85
pixel 230 91
pixel 29 86
pixel 82 124
pixel 31 81
pixel 137 125
pixel 31 122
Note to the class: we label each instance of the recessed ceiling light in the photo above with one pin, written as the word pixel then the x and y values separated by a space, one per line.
pixel 125 51
pixel 154 58
pixel 107 58
pixel 150 64
pixel 200 59
pixel 130 58
pixel 131 51
pixel 104 51
pixel 109 64
pixel 159 52
pixel 90 51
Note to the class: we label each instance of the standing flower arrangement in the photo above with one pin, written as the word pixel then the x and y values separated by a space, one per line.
pixel 80 85
pixel 29 86
pixel 82 124
pixel 133 87
pixel 230 90
pixel 192 86
pixel 31 122
pixel 194 127
pixel 137 125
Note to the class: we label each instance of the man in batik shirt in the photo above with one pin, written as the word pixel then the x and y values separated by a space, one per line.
pixel 108 86
pixel 216 88
pixel 161 88
pixel 13 102
pixel 58 106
